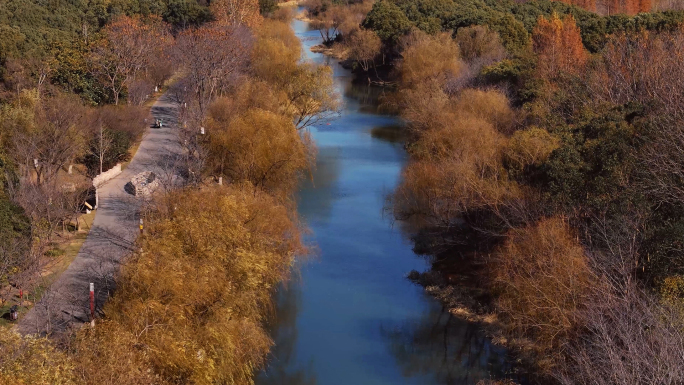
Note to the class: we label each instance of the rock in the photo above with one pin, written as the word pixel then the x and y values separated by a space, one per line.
pixel 144 183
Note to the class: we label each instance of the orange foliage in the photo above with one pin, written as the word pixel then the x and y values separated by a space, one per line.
pixel 543 278
pixel 559 47
pixel 628 7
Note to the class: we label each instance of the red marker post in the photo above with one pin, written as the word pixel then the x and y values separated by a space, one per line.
pixel 21 297
pixel 92 304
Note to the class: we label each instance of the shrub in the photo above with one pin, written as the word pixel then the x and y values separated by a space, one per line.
pixel 429 59
pixel 531 146
pixel 542 278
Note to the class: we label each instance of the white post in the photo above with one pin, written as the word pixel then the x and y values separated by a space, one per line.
pixel 202 130
pixel 70 168
pixel 220 181
pixel 92 304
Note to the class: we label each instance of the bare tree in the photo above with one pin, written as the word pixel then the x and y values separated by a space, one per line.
pixel 213 56
pixel 53 139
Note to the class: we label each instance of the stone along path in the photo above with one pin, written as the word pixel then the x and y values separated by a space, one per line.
pixel 113 233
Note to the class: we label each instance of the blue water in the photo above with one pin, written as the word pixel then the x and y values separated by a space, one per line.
pixel 350 316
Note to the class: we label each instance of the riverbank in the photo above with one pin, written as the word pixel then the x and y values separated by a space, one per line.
pixel 352 316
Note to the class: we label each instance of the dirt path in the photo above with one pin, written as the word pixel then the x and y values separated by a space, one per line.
pixel 113 234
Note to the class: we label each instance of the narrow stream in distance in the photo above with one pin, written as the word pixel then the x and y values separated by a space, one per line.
pixel 351 317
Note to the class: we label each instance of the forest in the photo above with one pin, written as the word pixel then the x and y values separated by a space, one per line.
pixel 544 182
pixel 78 78
pixel 544 185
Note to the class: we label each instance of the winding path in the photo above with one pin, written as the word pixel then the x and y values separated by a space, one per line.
pixel 113 233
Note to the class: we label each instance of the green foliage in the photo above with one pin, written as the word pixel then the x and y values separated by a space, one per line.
pixel 514 21
pixel 186 13
pixel 388 21
pixel 591 168
pixel 267 6
pixel 72 72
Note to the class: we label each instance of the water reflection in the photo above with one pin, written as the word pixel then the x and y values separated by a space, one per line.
pixel 448 349
pixel 353 318
pixel 282 366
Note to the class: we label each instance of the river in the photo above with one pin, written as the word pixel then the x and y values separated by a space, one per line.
pixel 350 316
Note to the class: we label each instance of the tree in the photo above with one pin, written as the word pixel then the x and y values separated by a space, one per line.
pixel 130 46
pixel 46 134
pixel 430 60
pixel 213 57
pixel 189 283
pixel 258 147
pixel 388 21
pixel 364 46
pixel 311 97
pixel 543 279
pixel 33 360
pixel 558 44
pixel 479 45
pixel 237 12
pixel 589 5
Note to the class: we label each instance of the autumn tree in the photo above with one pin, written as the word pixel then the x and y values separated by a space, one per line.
pixel 479 45
pixel 628 7
pixel 45 134
pixel 559 47
pixel 33 360
pixel 543 279
pixel 311 97
pixel 258 146
pixel 429 59
pixel 237 12
pixel 213 56
pixel 188 283
pixel 364 46
pixel 130 46
pixel 457 155
pixel 276 53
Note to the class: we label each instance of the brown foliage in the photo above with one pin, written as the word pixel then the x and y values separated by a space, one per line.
pixel 429 59
pixel 543 279
pixel 258 146
pixel 589 5
pixel 457 164
pixel 628 7
pixel 628 338
pixel 648 69
pixel 237 12
pixel 479 45
pixel 531 146
pixel 491 106
pixel 213 56
pixel 43 135
pixel 32 360
pixel 131 46
pixel 190 307
pixel 364 45
pixel 276 53
pixel 559 47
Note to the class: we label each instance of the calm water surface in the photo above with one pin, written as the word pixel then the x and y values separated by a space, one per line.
pixel 351 316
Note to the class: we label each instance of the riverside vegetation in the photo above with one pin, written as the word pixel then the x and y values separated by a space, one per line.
pixel 191 305
pixel 544 179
